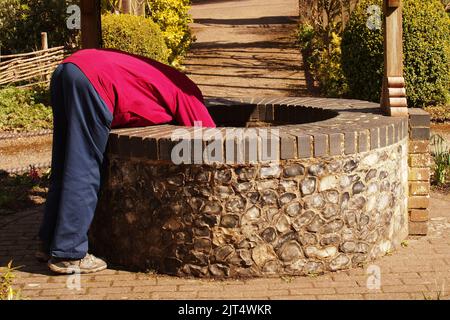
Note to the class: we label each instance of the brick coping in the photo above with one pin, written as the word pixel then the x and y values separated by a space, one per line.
pixel 343 127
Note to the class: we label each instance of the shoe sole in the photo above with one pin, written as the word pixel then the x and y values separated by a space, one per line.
pixel 70 270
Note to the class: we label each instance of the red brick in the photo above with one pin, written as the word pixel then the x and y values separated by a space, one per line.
pixel 418 228
pixel 418 202
pixel 419 160
pixel 404 288
pixel 419 188
pixel 387 296
pixel 419 174
pixel 185 295
pixel 264 294
pixel 419 215
pixel 123 290
pixel 158 288
pixel 313 291
pixel 419 146
pixel 348 296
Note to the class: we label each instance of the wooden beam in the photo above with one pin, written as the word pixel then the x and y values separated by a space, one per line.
pixel 91 32
pixel 393 99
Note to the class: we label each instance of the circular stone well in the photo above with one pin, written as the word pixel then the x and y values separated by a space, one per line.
pixel 314 185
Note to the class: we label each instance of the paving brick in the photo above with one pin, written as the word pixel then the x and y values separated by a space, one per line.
pixel 257 294
pixel 404 288
pixel 291 285
pixel 336 284
pixel 110 290
pixel 313 291
pixel 82 297
pixel 387 296
pixel 155 288
pixel 353 290
pixel 354 296
pixel 220 295
pixel 187 295
pixel 65 291
pixel 201 287
pixel 295 297
pixel 128 296
pixel 127 283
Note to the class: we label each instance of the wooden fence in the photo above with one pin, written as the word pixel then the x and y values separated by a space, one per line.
pixel 30 68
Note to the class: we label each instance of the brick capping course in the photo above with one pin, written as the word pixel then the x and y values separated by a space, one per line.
pixel 333 127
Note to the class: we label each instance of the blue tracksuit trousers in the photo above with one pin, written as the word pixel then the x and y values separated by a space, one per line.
pixel 82 123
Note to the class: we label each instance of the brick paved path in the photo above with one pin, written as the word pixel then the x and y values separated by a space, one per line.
pixel 246 48
pixel 241 53
pixel 416 271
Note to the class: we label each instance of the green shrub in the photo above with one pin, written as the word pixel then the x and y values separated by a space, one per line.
pixel 24 109
pixel 22 21
pixel 173 18
pixel 426 53
pixel 322 53
pixel 439 113
pixel 7 275
pixel 134 34
pixel 441 156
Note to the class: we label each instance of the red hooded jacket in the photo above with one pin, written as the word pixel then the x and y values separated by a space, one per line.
pixel 140 91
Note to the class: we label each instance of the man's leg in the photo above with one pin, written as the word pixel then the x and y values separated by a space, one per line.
pixel 88 126
pixel 58 153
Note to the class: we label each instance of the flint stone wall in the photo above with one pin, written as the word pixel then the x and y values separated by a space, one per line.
pixel 304 216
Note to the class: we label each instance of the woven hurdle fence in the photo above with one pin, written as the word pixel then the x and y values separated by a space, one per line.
pixel 31 68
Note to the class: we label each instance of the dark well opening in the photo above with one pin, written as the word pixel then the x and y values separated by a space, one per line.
pixel 245 115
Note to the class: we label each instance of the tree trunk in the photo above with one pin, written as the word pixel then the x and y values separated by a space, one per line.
pixel 125 6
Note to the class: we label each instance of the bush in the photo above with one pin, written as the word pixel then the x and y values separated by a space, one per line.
pixel 426 45
pixel 173 18
pixel 134 34
pixel 322 54
pixel 24 110
pixel 439 113
pixel 22 21
pixel 7 275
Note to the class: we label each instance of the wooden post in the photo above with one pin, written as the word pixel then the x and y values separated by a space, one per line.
pixel 44 41
pixel 393 99
pixel 91 33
